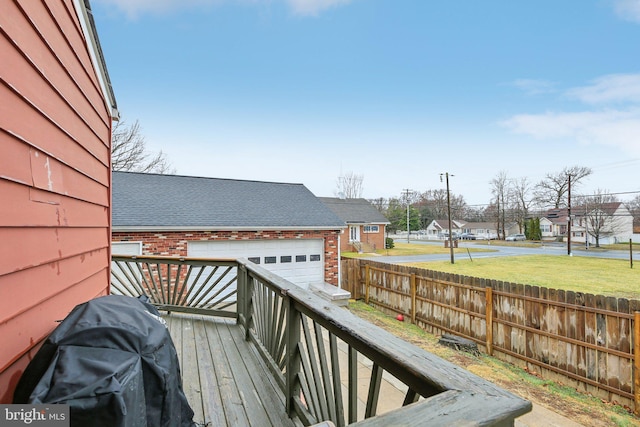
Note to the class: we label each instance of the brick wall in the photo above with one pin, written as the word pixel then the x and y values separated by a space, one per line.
pixel 374 241
pixel 174 243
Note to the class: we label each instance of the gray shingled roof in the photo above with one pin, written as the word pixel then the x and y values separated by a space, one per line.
pixel 355 210
pixel 148 201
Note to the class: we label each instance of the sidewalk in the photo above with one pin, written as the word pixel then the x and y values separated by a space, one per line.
pixel 543 417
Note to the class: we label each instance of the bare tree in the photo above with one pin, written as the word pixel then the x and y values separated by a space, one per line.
pixel 553 189
pixel 129 152
pixel 520 191
pixel 349 186
pixel 500 190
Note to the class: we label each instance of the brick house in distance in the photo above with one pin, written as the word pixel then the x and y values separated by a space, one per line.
pixel 366 225
pixel 283 227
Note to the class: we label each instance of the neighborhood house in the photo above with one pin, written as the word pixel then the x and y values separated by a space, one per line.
pixel 366 225
pixel 283 227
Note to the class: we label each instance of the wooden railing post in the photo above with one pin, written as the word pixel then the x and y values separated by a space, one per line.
pixel 413 298
pixel 366 283
pixel 636 362
pixel 292 331
pixel 489 319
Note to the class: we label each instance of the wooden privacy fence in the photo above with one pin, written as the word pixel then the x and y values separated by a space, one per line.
pixel 582 340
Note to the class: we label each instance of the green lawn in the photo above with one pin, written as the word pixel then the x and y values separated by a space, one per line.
pixel 608 277
pixel 418 249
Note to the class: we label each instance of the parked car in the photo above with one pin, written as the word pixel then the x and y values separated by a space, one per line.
pixel 468 236
pixel 515 237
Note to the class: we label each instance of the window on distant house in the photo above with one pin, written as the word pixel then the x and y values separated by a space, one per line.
pixel 545 228
pixel 371 229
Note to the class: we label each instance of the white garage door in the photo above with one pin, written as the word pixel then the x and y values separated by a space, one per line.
pixel 300 261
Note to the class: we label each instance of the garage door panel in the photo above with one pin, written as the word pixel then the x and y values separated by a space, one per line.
pixel 299 261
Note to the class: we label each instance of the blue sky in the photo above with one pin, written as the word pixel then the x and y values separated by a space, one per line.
pixel 396 91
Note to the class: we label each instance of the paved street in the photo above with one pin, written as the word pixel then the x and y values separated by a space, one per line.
pixel 498 250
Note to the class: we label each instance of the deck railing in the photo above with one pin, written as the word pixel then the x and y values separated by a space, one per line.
pixel 316 351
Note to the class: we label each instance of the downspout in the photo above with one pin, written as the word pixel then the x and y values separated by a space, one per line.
pixel 339 264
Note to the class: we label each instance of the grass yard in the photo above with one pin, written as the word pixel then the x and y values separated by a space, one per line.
pixel 582 408
pixel 609 277
pixel 403 249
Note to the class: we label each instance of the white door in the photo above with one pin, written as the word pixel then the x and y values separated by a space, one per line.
pixel 126 248
pixel 300 261
pixel 354 233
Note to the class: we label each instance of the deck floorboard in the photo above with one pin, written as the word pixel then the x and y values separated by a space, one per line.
pixel 224 380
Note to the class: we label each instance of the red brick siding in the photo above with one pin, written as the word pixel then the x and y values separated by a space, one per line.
pixel 174 243
pixel 374 240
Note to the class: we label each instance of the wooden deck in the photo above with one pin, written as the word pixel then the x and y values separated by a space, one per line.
pixel 330 364
pixel 224 379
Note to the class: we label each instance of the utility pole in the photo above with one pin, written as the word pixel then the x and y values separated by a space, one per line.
pixel 406 192
pixel 569 217
pixel 446 174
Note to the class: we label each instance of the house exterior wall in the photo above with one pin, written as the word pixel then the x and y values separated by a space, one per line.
pixel 55 131
pixel 175 243
pixel 373 241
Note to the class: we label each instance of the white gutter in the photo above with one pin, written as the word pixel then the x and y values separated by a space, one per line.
pixel 226 228
pixel 85 16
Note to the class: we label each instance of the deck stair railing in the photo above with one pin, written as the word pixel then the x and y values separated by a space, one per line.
pixel 329 364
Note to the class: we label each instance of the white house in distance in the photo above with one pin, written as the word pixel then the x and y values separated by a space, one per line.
pixel 608 223
pixel 440 227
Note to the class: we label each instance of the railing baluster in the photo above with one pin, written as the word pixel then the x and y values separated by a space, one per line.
pixel 249 306
pixel 324 369
pixel 374 391
pixel 410 397
pixel 308 383
pixel 158 290
pixel 176 284
pixel 293 355
pixel 353 385
pixel 315 371
pixel 279 353
pixel 202 286
pixel 337 382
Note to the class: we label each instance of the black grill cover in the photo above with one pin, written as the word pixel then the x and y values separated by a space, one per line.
pixel 113 362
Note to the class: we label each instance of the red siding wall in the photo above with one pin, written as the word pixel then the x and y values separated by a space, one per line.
pixel 55 131
pixel 175 243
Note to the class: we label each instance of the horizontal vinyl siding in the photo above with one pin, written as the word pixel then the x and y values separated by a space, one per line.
pixel 55 130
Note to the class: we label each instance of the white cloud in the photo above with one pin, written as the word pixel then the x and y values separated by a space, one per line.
pixel 134 8
pixel 615 128
pixel 628 10
pixel 608 89
pixel 534 87
pixel 313 7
